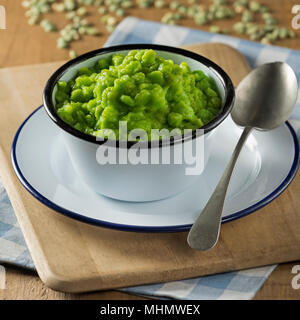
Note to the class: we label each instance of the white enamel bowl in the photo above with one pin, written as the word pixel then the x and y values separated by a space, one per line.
pixel 137 182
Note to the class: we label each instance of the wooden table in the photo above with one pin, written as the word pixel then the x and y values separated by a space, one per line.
pixel 22 44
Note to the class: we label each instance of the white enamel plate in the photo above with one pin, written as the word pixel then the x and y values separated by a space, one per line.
pixel 267 164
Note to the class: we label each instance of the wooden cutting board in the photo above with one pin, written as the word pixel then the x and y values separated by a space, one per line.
pixel 74 257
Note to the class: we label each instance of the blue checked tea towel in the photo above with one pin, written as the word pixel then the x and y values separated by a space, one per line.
pixel 240 285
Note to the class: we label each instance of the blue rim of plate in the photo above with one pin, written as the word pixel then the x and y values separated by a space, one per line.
pixel 177 228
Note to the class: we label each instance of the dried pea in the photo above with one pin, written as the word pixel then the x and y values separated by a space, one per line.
pixel 62 43
pixel 283 33
pixel 92 31
pixel 69 5
pixel 160 4
pixel 291 34
pixel 240 27
pixel 33 20
pixel 265 41
pixel 102 10
pixel 215 29
pixel 110 29
pixel 81 11
pixel 72 54
pixel 219 2
pixel 254 6
pixel 48 26
pixel 174 5
pixel 201 18
pixel 127 4
pixel 70 15
pixel 271 21
pixel 58 7
pixel 247 16
pixel 113 8
pixel 145 3
pixel 26 4
pixel 120 12
pixel 263 9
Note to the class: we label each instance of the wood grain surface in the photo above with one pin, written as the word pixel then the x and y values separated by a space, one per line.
pixel 75 257
pixel 21 44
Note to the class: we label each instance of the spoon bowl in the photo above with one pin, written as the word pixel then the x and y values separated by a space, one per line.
pixel 266 97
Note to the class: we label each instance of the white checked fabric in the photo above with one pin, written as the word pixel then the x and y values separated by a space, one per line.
pixel 227 286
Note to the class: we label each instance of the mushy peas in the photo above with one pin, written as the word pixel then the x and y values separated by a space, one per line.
pixel 141 88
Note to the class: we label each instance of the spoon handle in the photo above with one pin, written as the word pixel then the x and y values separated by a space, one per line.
pixel 205 231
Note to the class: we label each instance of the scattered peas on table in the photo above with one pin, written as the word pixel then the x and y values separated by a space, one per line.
pixel 256 20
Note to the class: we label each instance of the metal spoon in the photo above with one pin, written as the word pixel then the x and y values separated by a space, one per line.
pixel 264 101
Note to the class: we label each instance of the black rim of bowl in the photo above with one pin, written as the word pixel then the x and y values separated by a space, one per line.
pixel 226 82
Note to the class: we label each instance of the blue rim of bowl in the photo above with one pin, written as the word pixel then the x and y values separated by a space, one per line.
pixel 155 229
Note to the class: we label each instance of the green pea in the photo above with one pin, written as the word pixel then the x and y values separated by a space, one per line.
pixel 62 43
pixel 26 4
pixel 82 30
pixel 127 100
pixel 33 20
pixel 127 4
pixel 283 33
pixel 145 3
pixel 265 41
pixel 174 5
pixel 244 2
pixel 240 27
pixel 263 9
pixel 70 15
pixel 269 28
pixel 291 34
pixel 93 31
pixel 81 11
pixel 72 54
pixel 215 29
pixel 219 2
pixel 59 7
pixel 69 5
pixel 182 10
pixel 266 15
pixel 247 16
pixel 271 21
pixel 254 6
pixel 111 21
pixel 177 16
pixel 48 26
pixel 160 4
pixel 239 8
pixel 102 10
pixel 252 30
pixel 120 12
pixel 110 29
pixel 220 13
pixel 113 8
pixel 201 19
